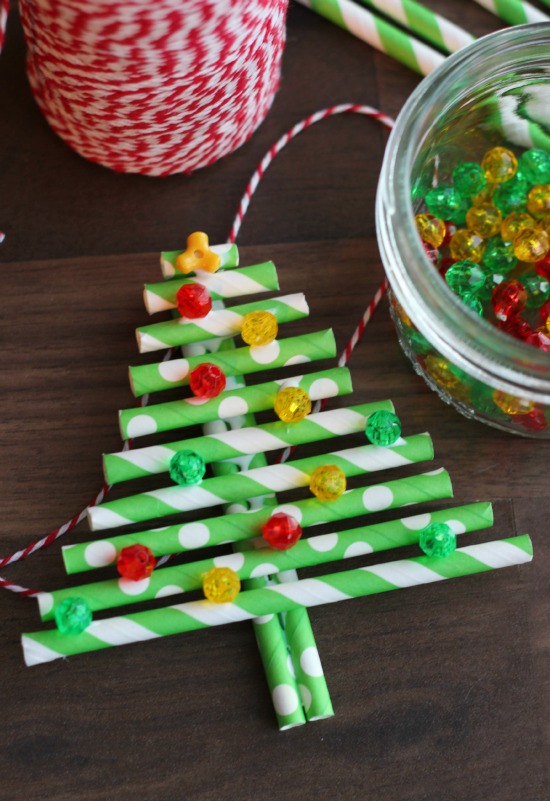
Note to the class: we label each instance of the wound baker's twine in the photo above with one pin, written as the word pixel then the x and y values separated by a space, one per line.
pixel 355 338
pixel 154 88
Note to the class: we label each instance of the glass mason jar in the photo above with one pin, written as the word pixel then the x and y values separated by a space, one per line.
pixel 493 92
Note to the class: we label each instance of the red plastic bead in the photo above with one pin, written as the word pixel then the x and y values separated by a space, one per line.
pixel 534 421
pixel 431 252
pixel 516 327
pixel 543 267
pixel 444 265
pixel 193 301
pixel 282 531
pixel 207 380
pixel 136 562
pixel 544 311
pixel 509 299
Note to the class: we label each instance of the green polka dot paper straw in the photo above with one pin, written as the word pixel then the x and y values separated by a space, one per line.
pixel 140 462
pixel 159 376
pixel 378 33
pixel 224 284
pixel 278 669
pixel 45 646
pixel 255 563
pixel 304 653
pixel 183 537
pixel 229 257
pixel 420 19
pixel 231 403
pixel 226 322
pixel 515 12
pixel 253 483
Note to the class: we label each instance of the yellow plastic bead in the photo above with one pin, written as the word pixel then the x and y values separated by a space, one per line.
pixel 484 220
pixel 327 482
pixel 431 229
pixel 259 328
pixel 499 164
pixel 485 196
pixel 547 324
pixel 509 404
pixel 221 585
pixel 198 255
pixel 438 368
pixel 514 223
pixel 538 199
pixel 466 244
pixel 292 404
pixel 531 245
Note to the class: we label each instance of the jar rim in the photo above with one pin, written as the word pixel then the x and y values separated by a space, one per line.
pixel 439 309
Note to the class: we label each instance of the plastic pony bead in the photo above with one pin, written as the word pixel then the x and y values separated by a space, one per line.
pixel 187 468
pixel 281 531
pixel 207 380
pixel 73 615
pixel 136 562
pixel 383 428
pixel 259 328
pixel 292 404
pixel 438 540
pixel 198 255
pixel 221 585
pixel 327 482
pixel 193 301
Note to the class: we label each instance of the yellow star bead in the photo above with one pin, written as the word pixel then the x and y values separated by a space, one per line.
pixel 198 256
pixel 292 404
pixel 259 328
pixel 327 482
pixel 221 585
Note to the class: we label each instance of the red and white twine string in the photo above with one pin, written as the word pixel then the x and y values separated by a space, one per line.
pixel 355 338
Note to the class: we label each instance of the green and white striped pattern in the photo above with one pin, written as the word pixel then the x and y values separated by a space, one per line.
pixel 242 525
pixel 228 253
pixel 140 462
pixel 230 403
pixel 378 33
pixel 253 483
pixel 421 20
pixel 255 563
pixel 44 646
pixel 224 284
pixel 160 376
pixel 218 323
pixel 515 12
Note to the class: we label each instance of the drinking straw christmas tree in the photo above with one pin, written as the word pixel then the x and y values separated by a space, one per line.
pixel 232 465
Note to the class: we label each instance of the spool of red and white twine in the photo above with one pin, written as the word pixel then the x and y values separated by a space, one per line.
pixel 154 88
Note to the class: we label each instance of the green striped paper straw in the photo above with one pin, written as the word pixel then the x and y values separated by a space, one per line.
pixel 378 33
pixel 421 20
pixel 515 12
pixel 231 403
pixel 256 563
pixel 229 255
pixel 546 2
pixel 140 462
pixel 226 322
pixel 44 646
pixel 183 537
pixel 159 376
pixel 256 482
pixel 223 284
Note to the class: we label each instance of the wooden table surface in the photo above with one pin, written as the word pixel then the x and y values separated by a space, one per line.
pixel 440 692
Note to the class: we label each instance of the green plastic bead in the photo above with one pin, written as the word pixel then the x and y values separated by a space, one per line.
pixel 469 178
pixel 538 290
pixel 73 615
pixel 465 276
pixel 473 302
pixel 187 468
pixel 419 343
pixel 499 255
pixel 535 166
pixel 383 428
pixel 445 202
pixel 512 195
pixel 437 540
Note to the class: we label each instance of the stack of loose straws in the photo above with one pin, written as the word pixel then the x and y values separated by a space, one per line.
pixel 273 596
pixel 415 20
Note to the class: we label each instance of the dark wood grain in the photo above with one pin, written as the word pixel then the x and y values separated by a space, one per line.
pixel 440 692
